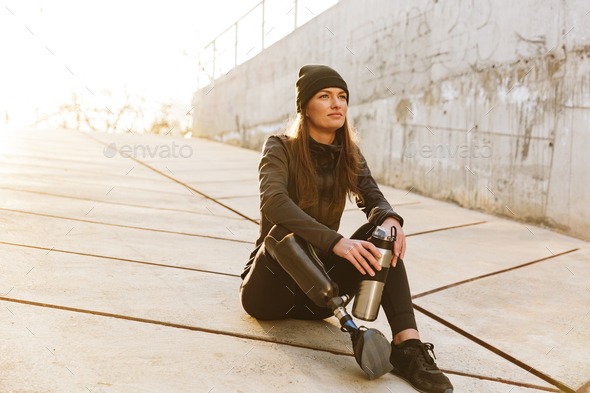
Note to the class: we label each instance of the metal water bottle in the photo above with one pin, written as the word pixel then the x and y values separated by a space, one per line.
pixel 368 298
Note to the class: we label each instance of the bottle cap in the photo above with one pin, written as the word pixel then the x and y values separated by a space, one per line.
pixel 385 234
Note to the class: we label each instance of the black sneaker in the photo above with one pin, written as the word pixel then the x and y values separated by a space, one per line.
pixel 413 364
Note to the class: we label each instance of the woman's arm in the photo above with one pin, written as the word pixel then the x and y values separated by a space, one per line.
pixel 379 211
pixel 278 207
pixel 375 206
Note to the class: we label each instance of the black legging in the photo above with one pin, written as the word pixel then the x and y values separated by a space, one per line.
pixel 268 292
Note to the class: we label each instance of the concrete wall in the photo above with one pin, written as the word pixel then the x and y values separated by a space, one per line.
pixel 486 104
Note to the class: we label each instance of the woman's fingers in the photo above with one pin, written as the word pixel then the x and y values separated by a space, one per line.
pixel 397 246
pixel 359 251
pixel 356 264
pixel 370 254
pixel 363 255
pixel 404 248
pixel 351 258
pixel 399 250
pixel 374 254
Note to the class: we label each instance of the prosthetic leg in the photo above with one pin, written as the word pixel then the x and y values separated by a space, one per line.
pixel 298 258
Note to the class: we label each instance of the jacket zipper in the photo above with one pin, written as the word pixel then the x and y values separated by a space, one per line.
pixel 323 189
pixel 320 210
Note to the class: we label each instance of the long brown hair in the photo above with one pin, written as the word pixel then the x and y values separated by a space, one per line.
pixel 347 168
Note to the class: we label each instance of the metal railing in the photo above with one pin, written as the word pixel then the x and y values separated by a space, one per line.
pixel 263 25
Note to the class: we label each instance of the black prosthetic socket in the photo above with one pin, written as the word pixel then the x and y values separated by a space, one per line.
pixel 300 261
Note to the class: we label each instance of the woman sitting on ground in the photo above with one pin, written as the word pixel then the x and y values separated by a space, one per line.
pixel 301 263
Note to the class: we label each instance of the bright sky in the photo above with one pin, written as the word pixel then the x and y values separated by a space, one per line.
pixel 49 49
pixel 106 45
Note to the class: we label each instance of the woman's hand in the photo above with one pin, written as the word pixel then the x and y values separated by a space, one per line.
pixel 399 247
pixel 356 251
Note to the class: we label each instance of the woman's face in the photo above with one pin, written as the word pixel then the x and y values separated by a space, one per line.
pixel 326 111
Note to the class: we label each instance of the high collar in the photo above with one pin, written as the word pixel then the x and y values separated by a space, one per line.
pixel 322 148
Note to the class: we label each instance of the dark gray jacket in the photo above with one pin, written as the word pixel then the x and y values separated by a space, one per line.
pixel 316 224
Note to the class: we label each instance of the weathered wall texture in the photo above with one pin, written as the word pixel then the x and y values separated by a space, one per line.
pixel 486 104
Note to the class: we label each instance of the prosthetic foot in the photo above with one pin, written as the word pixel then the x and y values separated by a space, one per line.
pixel 298 258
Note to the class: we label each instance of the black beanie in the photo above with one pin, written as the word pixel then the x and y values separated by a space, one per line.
pixel 313 78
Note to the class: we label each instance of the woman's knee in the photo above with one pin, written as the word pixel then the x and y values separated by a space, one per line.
pixel 364 231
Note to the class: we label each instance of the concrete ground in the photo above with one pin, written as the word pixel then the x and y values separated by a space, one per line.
pixel 121 275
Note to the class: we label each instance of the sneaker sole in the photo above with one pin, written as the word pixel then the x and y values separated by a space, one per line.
pixel 396 372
